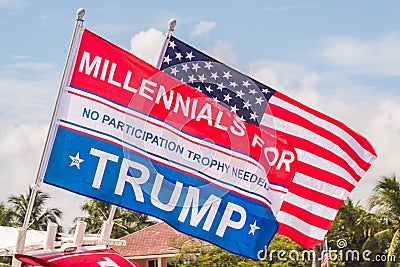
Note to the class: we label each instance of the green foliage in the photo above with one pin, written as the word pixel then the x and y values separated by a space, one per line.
pixel 40 216
pixel 386 203
pixel 125 221
pixel 200 255
pixel 5 215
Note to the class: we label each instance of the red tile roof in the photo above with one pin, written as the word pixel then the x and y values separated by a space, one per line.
pixel 154 240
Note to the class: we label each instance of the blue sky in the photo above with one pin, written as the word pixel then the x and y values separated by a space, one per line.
pixel 340 57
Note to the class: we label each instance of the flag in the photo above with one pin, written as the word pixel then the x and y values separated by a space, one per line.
pixel 329 158
pixel 128 134
pixel 325 255
pixel 85 256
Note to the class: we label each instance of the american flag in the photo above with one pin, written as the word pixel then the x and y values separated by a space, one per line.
pixel 325 255
pixel 332 158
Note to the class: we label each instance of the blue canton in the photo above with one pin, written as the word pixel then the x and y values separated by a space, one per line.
pixel 239 93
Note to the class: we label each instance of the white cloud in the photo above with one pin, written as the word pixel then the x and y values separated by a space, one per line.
pixel 379 57
pixel 147 45
pixel 223 51
pixel 31 90
pixel 20 152
pixel 203 27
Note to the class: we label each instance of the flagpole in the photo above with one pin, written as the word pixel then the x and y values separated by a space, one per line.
pixel 171 28
pixel 20 243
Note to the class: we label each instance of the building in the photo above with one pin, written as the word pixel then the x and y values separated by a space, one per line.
pixel 152 246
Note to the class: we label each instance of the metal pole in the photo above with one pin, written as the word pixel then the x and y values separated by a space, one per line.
pixel 50 134
pixel 171 28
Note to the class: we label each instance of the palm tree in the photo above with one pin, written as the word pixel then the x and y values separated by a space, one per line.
pixel 5 215
pixel 386 203
pixel 125 221
pixel 40 214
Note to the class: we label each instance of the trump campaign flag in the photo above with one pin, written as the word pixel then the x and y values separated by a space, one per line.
pixel 128 134
pixel 327 158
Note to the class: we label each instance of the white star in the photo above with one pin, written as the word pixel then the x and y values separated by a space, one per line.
pixel 234 109
pixel 253 91
pixel 195 66
pixel 227 75
pixel 220 86
pixel 253 116
pixel 76 161
pixel 167 59
pixel 178 55
pixel 233 84
pixel 227 97
pixel 265 90
pixel 208 89
pixel 253 228
pixel 191 79
pixel 240 94
pixel 216 99
pixel 172 44
pixel 259 100
pixel 174 71
pixel 208 65
pixel 246 104
pixel 202 78
pixel 214 75
pixel 198 88
pixel 189 55
pixel 185 67
pixel 246 83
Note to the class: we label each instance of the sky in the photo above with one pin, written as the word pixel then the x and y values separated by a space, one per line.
pixel 339 57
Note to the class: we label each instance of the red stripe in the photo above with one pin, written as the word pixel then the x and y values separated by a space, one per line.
pixel 301 121
pixel 360 139
pixel 324 176
pixel 297 236
pixel 306 216
pixel 315 196
pixel 321 152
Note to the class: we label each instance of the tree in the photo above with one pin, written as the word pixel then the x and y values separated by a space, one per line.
pixel 282 252
pixel 125 221
pixel 360 230
pixel 40 214
pixel 386 203
pixel 5 215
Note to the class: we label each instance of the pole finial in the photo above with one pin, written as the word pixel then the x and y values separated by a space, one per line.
pixel 80 13
pixel 171 25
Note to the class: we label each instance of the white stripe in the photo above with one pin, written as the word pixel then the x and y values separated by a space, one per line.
pixel 301 226
pixel 329 166
pixel 320 186
pixel 146 117
pixel 363 153
pixel 311 206
pixel 296 130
